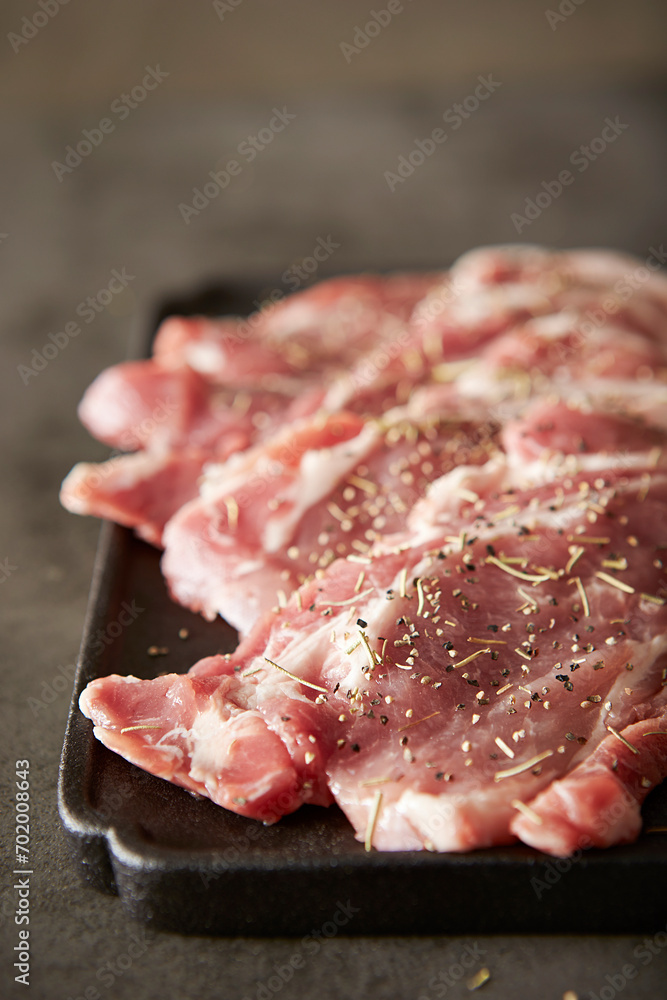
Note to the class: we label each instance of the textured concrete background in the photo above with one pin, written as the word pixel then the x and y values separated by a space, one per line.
pixel 323 176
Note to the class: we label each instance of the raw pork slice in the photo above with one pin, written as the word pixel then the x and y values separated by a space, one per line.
pixel 436 505
pixel 141 491
pixel 173 423
pixel 141 405
pixel 332 324
pixel 452 694
pixel 322 489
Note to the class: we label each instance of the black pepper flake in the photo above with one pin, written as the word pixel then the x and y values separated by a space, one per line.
pixel 473 681
pixel 523 530
pixel 337 686
pixel 285 718
pixel 384 720
pixel 312 607
pixel 439 775
pixel 495 654
pixel 460 707
pixel 569 686
pixel 361 623
pixel 370 714
pixel 582 740
pixel 490 549
pixel 449 668
pixel 505 672
pixel 574 666
pixel 553 602
pixel 570 737
pixel 492 628
pixel 404 740
pixel 448 645
pixel 376 701
pixel 599 665
pixel 535 696
pixel 356 747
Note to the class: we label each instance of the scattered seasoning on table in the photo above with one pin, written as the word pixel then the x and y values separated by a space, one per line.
pixel 478 979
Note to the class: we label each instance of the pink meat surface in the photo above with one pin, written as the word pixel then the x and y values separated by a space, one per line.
pixel 173 423
pixel 502 323
pixel 332 324
pixel 142 405
pixel 436 508
pixel 323 489
pixel 466 678
pixel 142 490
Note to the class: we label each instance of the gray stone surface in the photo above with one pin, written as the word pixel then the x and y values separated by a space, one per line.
pixel 324 175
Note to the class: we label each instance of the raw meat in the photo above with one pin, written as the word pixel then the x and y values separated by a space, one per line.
pixel 142 490
pixel 332 324
pixel 443 542
pixel 536 633
pixel 321 490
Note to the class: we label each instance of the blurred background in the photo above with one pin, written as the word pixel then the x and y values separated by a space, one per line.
pixel 150 147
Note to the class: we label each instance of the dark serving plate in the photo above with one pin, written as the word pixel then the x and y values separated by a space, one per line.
pixel 182 863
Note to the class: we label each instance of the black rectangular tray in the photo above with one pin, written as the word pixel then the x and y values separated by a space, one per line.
pixel 182 863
